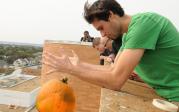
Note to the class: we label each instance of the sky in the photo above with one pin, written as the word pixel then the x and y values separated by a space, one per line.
pixel 33 21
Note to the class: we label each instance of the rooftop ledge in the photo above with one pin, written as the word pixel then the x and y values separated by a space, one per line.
pixel 133 97
pixel 68 42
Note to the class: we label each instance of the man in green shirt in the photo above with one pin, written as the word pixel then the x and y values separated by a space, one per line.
pixel 150 46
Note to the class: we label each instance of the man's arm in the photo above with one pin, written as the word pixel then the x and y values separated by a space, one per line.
pixel 94 67
pixel 114 76
pixel 81 39
pixel 117 56
pixel 98 67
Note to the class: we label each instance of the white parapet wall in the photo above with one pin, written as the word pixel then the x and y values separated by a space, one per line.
pixel 18 98
pixel 69 42
pixel 19 89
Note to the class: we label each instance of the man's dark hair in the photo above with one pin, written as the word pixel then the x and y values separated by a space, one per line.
pixel 86 32
pixel 101 10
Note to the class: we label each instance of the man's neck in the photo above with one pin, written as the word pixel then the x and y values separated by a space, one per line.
pixel 125 23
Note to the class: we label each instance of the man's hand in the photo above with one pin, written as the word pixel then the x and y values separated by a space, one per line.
pixel 106 58
pixel 62 63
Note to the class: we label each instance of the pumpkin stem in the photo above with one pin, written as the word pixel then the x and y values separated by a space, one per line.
pixel 65 80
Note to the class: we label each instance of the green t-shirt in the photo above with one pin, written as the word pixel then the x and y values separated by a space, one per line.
pixel 159 66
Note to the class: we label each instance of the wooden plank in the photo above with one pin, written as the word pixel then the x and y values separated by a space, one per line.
pixel 87 95
pixel 133 97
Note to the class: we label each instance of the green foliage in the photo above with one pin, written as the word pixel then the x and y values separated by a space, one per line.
pixel 10 53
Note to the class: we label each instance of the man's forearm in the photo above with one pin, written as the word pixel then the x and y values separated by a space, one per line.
pixel 113 77
pixel 97 75
pixel 96 67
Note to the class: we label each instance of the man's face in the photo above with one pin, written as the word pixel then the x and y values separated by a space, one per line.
pixel 86 34
pixel 100 47
pixel 107 43
pixel 107 28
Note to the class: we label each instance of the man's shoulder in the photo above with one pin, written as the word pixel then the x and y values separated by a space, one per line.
pixel 82 39
pixel 147 20
pixel 148 16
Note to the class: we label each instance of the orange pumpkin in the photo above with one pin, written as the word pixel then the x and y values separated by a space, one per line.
pixel 56 96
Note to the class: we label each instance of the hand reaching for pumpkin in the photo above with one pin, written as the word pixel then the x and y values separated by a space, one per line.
pixel 62 63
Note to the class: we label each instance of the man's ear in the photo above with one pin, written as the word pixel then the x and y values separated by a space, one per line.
pixel 111 15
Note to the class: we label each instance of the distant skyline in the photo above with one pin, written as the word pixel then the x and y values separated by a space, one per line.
pixel 34 21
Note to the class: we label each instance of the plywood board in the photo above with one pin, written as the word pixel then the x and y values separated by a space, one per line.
pixel 133 97
pixel 87 95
